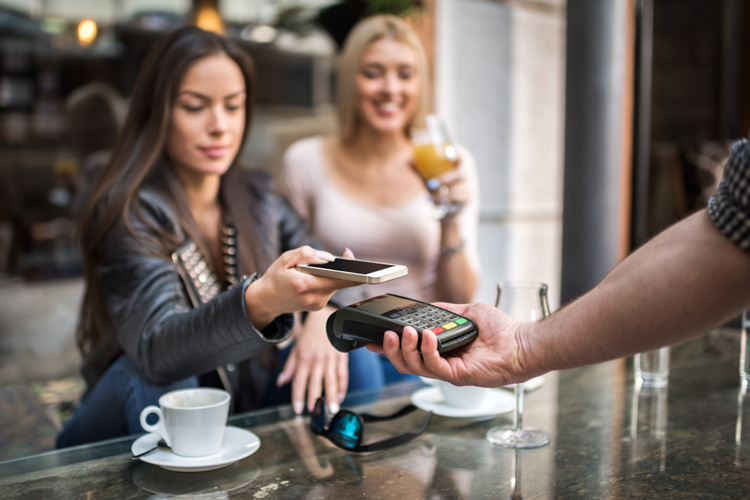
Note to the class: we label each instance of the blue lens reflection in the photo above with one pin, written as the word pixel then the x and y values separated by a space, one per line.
pixel 346 430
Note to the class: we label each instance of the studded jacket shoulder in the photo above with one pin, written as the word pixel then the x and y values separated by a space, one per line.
pixel 158 315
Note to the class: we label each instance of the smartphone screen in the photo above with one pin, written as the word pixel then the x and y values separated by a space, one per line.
pixel 352 266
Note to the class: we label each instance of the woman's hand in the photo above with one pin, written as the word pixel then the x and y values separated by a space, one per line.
pixel 450 189
pixel 284 289
pixel 314 365
pixel 457 281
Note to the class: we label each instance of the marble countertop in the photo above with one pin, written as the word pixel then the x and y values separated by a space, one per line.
pixel 609 440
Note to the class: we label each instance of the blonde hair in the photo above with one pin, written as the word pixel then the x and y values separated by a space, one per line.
pixel 364 34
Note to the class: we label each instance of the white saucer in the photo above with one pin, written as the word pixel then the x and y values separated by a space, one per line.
pixel 238 444
pixel 431 399
pixel 530 385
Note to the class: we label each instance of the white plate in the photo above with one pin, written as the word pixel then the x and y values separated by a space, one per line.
pixel 431 399
pixel 238 444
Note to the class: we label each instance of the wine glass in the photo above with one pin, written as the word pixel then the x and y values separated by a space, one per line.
pixel 434 155
pixel 515 481
pixel 525 302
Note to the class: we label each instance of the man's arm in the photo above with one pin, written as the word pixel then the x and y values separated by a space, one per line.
pixel 680 284
pixel 683 282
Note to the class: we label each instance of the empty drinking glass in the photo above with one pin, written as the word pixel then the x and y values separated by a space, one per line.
pixel 652 367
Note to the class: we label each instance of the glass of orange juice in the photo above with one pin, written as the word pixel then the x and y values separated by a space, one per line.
pixel 434 155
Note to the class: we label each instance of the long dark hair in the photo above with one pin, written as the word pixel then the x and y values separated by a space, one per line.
pixel 138 157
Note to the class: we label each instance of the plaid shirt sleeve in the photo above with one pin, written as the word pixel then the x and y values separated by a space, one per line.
pixel 729 208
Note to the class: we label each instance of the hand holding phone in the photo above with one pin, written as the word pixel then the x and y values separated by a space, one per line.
pixel 361 271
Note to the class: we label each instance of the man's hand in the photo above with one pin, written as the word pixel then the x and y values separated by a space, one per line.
pixel 493 359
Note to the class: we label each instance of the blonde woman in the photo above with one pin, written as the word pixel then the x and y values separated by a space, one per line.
pixel 357 188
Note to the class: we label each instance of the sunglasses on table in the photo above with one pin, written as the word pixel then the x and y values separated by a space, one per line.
pixel 346 428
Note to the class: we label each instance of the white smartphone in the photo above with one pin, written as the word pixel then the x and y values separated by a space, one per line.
pixel 361 271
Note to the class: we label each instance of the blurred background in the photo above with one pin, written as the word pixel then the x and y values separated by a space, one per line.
pixel 594 125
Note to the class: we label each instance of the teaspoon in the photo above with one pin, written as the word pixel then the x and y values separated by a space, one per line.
pixel 161 445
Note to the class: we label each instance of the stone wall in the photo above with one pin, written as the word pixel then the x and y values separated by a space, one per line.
pixel 500 83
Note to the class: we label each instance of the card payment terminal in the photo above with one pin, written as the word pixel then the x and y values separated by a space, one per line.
pixel 365 322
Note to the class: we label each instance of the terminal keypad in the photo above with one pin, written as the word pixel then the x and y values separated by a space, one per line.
pixel 426 317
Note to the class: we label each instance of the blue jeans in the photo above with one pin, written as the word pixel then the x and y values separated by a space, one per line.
pixel 112 408
pixel 391 375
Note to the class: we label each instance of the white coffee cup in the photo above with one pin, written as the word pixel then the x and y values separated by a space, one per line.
pixel 464 397
pixel 191 421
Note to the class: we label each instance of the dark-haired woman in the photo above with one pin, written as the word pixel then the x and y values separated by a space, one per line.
pixel 189 261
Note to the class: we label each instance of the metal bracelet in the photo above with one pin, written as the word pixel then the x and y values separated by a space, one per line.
pixel 448 251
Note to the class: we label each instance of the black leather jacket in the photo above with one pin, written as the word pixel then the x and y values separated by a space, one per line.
pixel 149 305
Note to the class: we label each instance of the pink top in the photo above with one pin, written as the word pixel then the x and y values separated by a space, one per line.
pixel 406 234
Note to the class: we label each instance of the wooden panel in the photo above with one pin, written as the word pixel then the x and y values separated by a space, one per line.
pixel 423 23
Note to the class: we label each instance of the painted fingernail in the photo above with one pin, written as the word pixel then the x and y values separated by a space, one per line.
pixel 341 397
pixel 333 408
pixel 323 255
pixel 297 406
